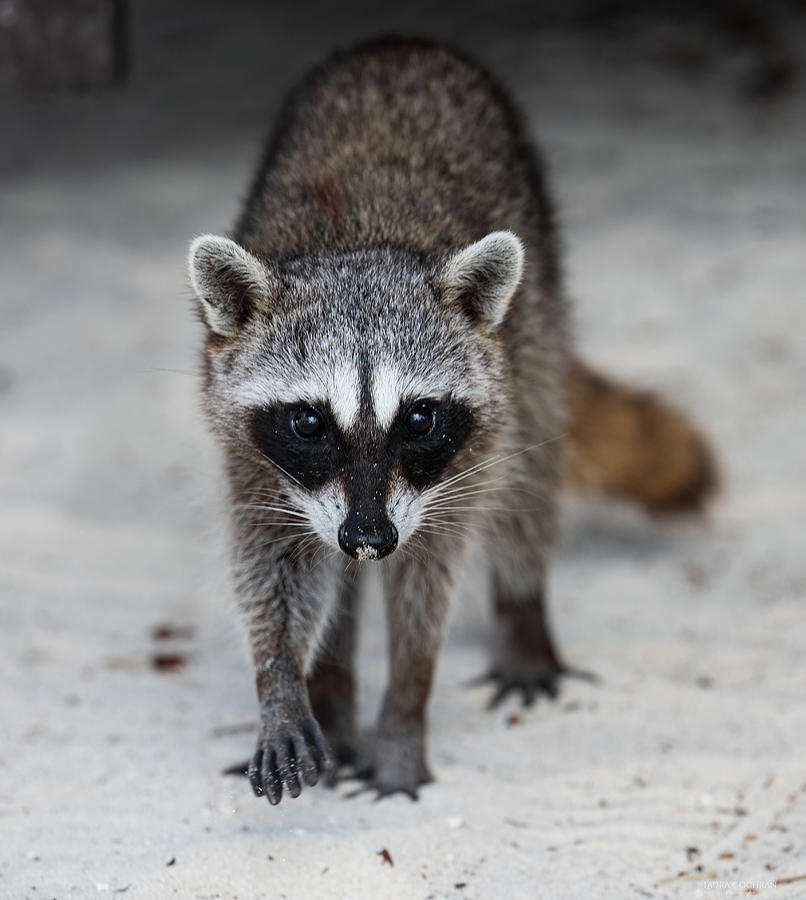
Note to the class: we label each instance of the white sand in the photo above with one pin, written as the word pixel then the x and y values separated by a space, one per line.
pixel 684 218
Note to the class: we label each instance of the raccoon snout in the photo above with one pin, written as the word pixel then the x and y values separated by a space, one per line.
pixel 367 539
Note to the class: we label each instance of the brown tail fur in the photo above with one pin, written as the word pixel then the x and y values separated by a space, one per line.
pixel 631 444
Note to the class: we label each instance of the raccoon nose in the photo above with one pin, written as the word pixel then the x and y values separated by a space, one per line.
pixel 367 540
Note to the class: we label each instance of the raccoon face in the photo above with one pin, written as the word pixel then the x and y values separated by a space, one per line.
pixel 360 486
pixel 363 380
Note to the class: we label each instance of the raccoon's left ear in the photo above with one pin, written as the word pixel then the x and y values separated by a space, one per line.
pixel 229 282
pixel 483 278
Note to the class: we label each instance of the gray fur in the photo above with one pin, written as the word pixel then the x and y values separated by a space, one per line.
pixel 484 277
pixel 377 262
pixel 229 282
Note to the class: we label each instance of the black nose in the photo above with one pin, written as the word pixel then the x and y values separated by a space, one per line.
pixel 367 540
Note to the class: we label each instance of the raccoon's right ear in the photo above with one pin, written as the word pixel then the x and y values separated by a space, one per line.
pixel 482 279
pixel 229 282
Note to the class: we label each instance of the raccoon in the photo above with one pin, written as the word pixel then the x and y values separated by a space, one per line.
pixel 388 368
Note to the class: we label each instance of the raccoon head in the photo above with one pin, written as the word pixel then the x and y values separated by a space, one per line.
pixel 364 379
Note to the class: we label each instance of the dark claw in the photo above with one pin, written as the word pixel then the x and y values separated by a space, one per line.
pixel 272 786
pixel 365 788
pixel 528 690
pixel 286 769
pixel 387 768
pixel 501 693
pixel 483 679
pixel 529 686
pixel 254 773
pixel 292 785
pixel 411 793
pixel 581 674
pixel 316 740
pixel 292 770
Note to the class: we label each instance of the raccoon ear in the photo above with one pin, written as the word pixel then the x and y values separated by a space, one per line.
pixel 229 282
pixel 483 277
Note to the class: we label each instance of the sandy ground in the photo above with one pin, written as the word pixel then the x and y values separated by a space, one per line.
pixel 683 212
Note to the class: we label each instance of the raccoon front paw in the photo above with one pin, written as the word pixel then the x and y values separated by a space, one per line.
pixel 530 681
pixel 398 766
pixel 288 748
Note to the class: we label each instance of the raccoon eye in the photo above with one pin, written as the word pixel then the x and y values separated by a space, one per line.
pixel 307 423
pixel 420 419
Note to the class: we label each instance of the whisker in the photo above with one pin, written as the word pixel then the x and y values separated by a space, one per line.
pixel 446 522
pixel 323 546
pixel 413 552
pixel 464 474
pixel 447 525
pixel 453 498
pixel 292 523
pixel 276 520
pixel 333 554
pixel 271 492
pixel 303 546
pixel 284 471
pixel 285 537
pixel 494 461
pixel 471 489
pixel 422 547
pixel 442 531
pixel 467 492
pixel 478 484
pixel 174 371
pixel 449 507
pixel 260 499
pixel 263 506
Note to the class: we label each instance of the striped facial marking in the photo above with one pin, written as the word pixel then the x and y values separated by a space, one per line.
pixel 344 396
pixel 386 390
pixel 392 390
pixel 339 389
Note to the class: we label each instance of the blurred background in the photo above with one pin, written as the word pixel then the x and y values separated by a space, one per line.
pixel 675 135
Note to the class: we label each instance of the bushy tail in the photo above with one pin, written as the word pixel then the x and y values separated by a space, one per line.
pixel 631 444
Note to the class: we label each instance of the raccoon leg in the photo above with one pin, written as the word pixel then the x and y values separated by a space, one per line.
pixel 287 605
pixel 525 659
pixel 331 685
pixel 524 656
pixel 416 603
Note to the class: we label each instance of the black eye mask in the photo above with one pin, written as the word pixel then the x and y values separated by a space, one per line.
pixel 311 458
pixel 424 455
pixel 305 441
